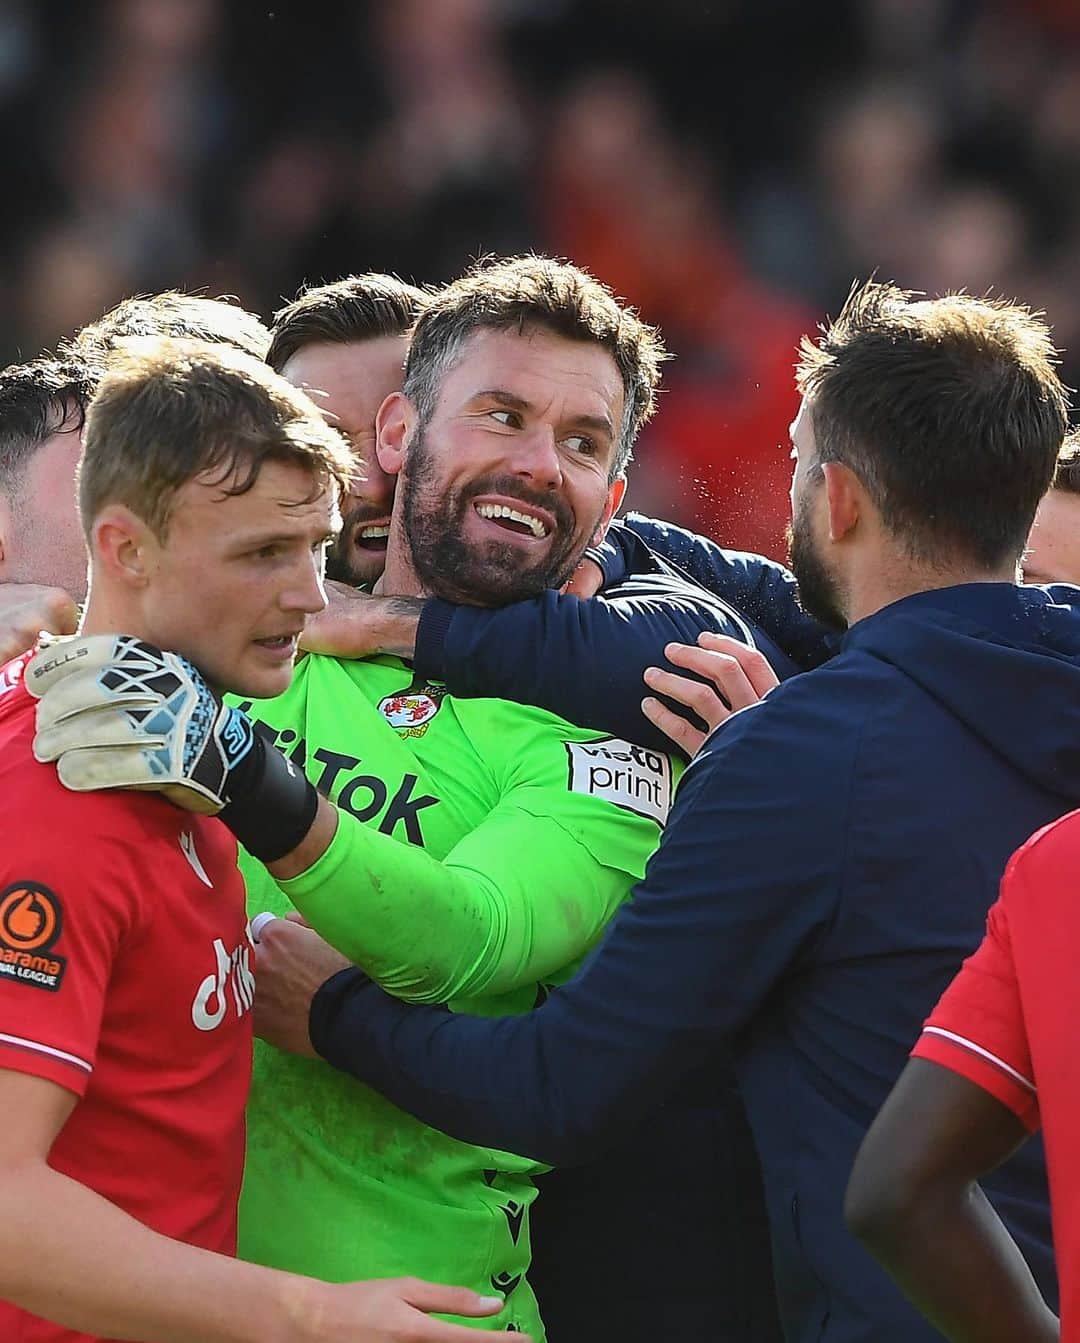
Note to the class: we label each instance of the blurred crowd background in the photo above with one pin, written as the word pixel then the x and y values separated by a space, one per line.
pixel 728 165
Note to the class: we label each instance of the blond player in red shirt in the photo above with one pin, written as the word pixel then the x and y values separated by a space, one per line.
pixel 208 490
pixel 997 1061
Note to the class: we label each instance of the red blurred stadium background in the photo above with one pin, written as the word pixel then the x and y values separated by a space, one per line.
pixel 728 166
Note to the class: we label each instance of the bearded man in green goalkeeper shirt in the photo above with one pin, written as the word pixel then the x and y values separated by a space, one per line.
pixel 483 845
pixel 477 848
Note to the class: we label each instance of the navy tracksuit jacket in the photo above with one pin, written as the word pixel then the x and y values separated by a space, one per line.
pixel 829 861
pixel 688 1169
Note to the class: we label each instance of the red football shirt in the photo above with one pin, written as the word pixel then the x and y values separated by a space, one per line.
pixel 126 976
pixel 1007 1024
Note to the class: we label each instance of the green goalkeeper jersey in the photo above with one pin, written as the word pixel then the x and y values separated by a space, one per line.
pixel 481 849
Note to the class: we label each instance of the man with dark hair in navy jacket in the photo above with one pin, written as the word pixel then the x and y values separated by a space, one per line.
pixel 832 851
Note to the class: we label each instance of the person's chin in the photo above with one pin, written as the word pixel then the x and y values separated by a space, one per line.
pixel 361 571
pixel 261 682
pixel 501 587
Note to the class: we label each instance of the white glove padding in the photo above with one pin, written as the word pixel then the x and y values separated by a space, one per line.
pixel 115 712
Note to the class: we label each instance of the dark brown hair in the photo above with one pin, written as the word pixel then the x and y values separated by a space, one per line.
pixel 358 308
pixel 519 293
pixel 949 410
pixel 37 399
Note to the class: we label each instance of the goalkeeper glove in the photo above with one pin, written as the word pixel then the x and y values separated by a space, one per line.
pixel 116 712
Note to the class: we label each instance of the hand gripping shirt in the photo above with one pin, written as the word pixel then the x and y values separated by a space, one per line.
pixel 126 978
pixel 482 848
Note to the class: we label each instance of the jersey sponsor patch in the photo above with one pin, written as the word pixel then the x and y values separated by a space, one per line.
pixel 620 772
pixel 30 922
pixel 410 711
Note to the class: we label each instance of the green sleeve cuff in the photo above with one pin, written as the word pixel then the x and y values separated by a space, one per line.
pixel 330 891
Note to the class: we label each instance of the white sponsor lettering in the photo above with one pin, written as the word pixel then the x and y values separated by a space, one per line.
pixel 11 676
pixel 620 772
pixel 232 975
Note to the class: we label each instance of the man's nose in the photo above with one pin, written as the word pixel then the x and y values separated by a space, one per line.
pixel 306 593
pixel 534 455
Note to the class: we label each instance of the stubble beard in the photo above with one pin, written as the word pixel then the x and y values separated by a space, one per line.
pixel 819 594
pixel 341 564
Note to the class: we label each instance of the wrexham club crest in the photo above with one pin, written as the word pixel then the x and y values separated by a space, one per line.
pixel 410 711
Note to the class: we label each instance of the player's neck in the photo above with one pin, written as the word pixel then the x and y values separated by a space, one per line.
pixel 880 587
pixel 109 612
pixel 399 578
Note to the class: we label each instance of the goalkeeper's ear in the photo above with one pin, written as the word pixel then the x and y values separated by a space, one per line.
pixel 123 548
pixel 394 428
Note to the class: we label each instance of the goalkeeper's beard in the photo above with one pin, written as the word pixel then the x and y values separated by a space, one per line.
pixel 490 573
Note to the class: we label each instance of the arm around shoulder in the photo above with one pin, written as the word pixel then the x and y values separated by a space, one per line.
pixel 683 967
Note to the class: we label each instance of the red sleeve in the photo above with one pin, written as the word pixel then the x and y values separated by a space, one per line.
pixel 977 1029
pixel 67 902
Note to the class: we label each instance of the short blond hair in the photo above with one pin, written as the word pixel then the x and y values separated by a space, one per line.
pixel 167 411
pixel 218 321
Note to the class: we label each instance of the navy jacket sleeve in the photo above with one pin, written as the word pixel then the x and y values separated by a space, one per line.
pixel 616 555
pixel 764 591
pixel 735 899
pixel 583 660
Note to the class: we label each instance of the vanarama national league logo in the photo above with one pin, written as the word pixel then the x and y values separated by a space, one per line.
pixel 410 711
pixel 30 922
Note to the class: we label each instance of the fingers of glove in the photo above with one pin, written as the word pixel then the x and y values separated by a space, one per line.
pixel 54 662
pixel 81 695
pixel 119 664
pixel 107 726
pixel 85 771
